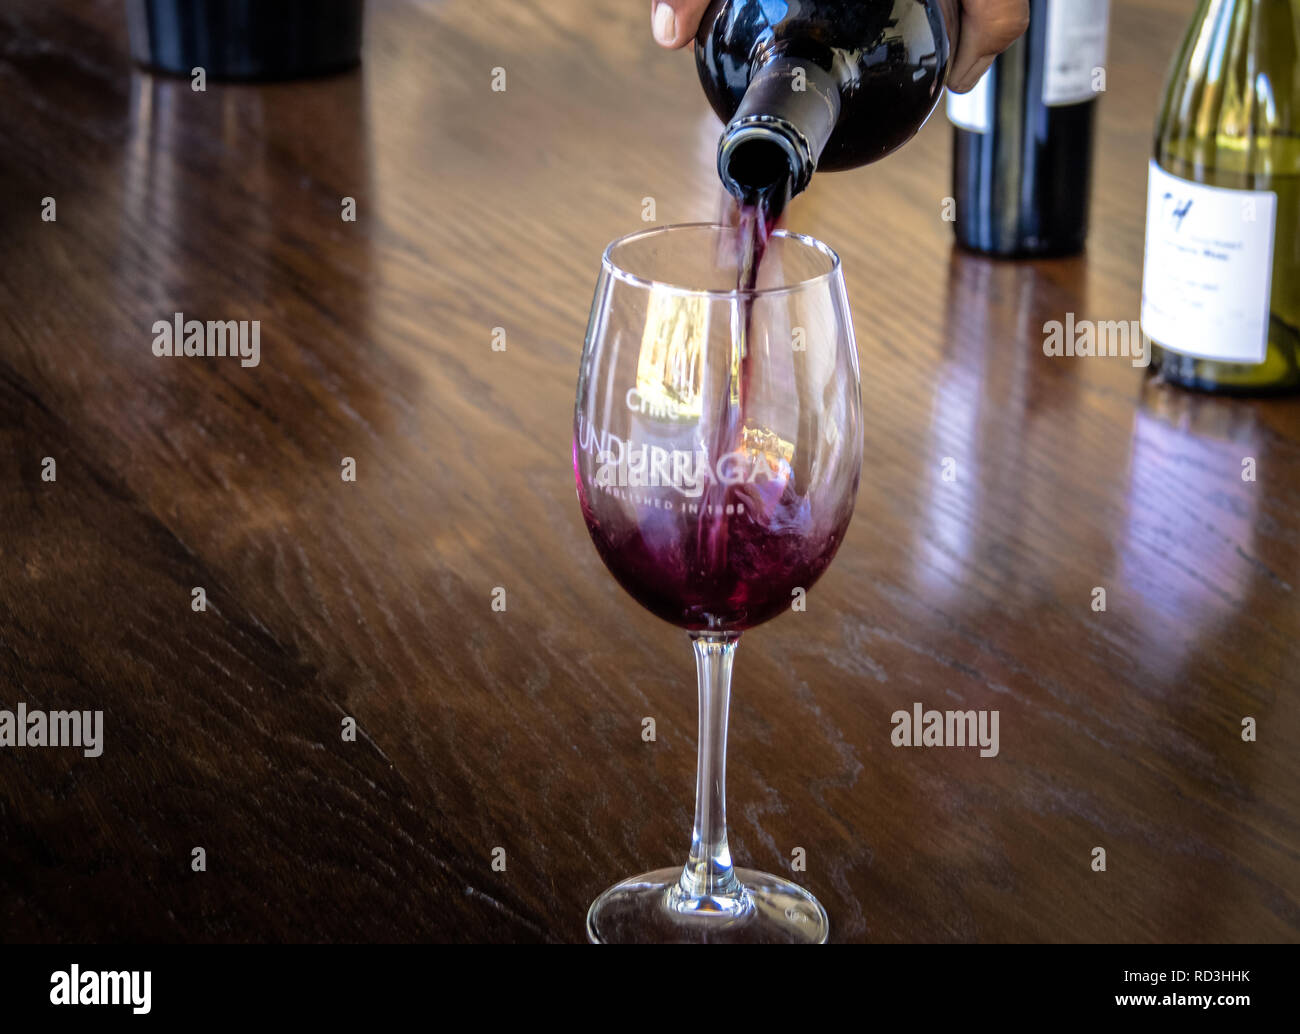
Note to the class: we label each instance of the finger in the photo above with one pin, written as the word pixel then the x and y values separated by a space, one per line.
pixel 971 76
pixel 988 27
pixel 674 22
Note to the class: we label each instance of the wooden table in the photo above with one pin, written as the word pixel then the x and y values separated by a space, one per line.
pixel 372 599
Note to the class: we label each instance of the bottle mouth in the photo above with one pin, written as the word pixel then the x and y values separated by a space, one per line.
pixel 759 152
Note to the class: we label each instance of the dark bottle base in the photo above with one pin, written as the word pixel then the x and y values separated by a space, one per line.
pixel 1183 371
pixel 246 40
pixel 262 76
pixel 314 72
pixel 1021 249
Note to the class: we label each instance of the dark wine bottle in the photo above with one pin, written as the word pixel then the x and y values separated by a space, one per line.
pixel 1023 138
pixel 246 39
pixel 817 84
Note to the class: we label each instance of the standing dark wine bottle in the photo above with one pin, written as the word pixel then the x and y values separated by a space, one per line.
pixel 818 84
pixel 1221 293
pixel 1023 137
pixel 246 39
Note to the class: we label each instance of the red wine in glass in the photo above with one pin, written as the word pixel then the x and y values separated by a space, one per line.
pixel 665 561
pixel 734 558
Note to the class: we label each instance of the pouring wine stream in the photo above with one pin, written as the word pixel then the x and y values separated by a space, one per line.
pixel 759 198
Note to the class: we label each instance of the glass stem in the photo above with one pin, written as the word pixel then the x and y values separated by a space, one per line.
pixel 708 875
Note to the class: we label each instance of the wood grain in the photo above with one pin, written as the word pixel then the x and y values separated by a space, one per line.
pixel 521 730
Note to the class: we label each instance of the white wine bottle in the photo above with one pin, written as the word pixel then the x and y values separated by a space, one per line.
pixel 1221 291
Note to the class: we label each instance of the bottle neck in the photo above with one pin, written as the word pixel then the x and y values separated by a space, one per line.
pixel 787 115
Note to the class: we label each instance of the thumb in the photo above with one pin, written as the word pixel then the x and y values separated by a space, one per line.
pixel 988 27
pixel 674 21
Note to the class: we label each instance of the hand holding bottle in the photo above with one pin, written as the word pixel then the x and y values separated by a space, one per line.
pixel 982 29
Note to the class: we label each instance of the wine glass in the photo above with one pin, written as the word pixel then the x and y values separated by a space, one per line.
pixel 717 449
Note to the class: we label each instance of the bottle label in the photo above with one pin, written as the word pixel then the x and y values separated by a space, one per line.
pixel 973 110
pixel 1209 268
pixel 1075 66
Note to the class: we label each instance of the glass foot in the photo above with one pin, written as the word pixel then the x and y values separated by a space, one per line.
pixel 650 909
